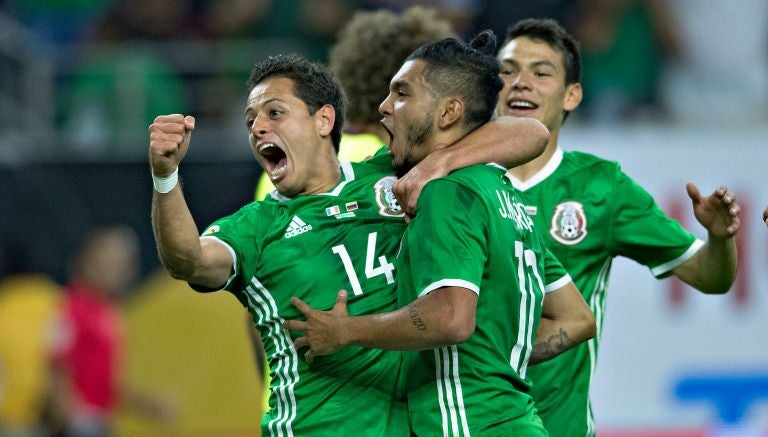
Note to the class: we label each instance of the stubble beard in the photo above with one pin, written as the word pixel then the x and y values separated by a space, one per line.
pixel 416 137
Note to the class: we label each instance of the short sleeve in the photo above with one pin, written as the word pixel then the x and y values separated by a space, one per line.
pixel 643 232
pixel 555 275
pixel 239 233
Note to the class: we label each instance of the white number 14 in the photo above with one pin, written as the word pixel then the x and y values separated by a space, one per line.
pixel 385 267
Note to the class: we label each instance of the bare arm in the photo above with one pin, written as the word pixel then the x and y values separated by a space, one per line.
pixel 443 317
pixel 507 141
pixel 713 268
pixel 206 262
pixel 566 321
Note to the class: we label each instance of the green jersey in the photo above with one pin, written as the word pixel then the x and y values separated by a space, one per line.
pixel 472 231
pixel 311 247
pixel 589 212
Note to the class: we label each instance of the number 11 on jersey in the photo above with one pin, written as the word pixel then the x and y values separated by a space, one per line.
pixel 385 267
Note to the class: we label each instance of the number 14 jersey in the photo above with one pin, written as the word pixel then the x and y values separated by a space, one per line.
pixel 311 247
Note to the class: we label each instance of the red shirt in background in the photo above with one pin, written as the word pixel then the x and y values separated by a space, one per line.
pixel 90 346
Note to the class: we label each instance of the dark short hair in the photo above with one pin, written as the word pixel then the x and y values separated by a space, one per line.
pixel 550 32
pixel 372 47
pixel 469 71
pixel 313 84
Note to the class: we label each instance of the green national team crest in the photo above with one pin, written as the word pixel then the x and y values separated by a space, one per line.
pixel 569 223
pixel 385 198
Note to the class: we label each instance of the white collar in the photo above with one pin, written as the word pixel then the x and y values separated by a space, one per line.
pixel 541 175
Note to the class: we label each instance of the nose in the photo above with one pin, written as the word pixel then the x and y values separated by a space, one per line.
pixel 520 81
pixel 260 127
pixel 385 108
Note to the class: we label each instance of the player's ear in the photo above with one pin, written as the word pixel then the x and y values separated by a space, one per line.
pixel 325 117
pixel 451 111
pixel 573 95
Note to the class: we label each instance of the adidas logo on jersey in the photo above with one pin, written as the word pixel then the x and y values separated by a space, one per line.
pixel 297 227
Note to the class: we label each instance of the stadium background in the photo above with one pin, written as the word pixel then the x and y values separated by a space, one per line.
pixel 75 103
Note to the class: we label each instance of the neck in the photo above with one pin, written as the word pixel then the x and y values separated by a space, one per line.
pixel 529 169
pixel 327 173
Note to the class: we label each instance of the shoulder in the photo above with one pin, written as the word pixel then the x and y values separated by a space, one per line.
pixel 248 216
pixel 475 180
pixel 583 160
pixel 586 165
pixel 475 174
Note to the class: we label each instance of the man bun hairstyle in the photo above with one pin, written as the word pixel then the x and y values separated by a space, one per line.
pixel 468 71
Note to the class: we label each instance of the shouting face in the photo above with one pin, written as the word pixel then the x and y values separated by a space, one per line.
pixel 288 142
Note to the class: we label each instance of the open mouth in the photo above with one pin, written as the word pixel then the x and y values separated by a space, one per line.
pixel 389 132
pixel 520 105
pixel 275 160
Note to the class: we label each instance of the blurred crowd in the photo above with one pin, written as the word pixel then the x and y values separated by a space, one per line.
pixel 105 352
pixel 114 64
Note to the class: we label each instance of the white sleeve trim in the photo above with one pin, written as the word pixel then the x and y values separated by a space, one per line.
pixel 560 283
pixel 231 253
pixel 669 265
pixel 450 283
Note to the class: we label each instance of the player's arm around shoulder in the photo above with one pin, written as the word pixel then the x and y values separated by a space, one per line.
pixel 566 320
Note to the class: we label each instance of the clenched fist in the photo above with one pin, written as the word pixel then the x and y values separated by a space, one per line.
pixel 168 142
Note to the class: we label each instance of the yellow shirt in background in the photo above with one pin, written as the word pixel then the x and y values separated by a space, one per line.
pixel 28 311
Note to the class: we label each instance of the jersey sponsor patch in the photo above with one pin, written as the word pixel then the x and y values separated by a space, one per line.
pixel 569 223
pixel 296 227
pixel 385 198
pixel 211 230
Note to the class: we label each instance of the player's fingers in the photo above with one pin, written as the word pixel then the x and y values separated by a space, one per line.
pixel 189 122
pixel 295 325
pixel 300 342
pixel 733 228
pixel 169 118
pixel 168 127
pixel 160 136
pixel 341 303
pixel 729 197
pixel 309 356
pixel 300 305
pixel 734 210
pixel 693 191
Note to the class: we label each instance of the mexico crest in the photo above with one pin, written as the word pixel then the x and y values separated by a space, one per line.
pixel 385 198
pixel 569 224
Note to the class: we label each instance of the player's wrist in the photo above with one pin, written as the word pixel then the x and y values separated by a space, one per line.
pixel 165 184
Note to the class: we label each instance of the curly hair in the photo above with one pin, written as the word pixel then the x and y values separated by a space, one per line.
pixel 371 49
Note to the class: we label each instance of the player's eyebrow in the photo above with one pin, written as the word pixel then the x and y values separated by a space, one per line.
pixel 249 108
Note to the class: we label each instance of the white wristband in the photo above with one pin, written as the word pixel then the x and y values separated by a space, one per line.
pixel 166 184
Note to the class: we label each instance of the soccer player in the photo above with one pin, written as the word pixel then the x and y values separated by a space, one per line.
pixel 331 226
pixel 390 37
pixel 472 272
pixel 591 212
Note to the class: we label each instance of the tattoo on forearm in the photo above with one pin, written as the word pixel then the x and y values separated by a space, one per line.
pixel 416 319
pixel 552 346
